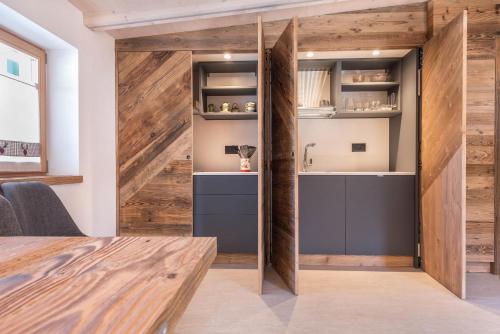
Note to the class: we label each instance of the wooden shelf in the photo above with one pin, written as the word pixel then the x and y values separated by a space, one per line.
pixel 228 115
pixel 368 86
pixel 51 180
pixel 368 114
pixel 230 90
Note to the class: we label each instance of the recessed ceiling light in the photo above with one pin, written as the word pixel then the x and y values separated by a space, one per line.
pixel 310 54
pixel 376 52
pixel 227 56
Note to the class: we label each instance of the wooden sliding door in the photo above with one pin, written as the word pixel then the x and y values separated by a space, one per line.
pixel 154 139
pixel 284 249
pixel 443 155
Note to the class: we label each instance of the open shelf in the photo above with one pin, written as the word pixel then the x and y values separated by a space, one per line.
pixel 228 115
pixel 230 90
pixel 368 86
pixel 368 114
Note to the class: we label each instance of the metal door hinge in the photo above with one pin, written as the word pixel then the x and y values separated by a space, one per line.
pixel 419 82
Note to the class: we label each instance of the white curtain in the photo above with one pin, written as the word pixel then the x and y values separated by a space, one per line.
pixel 311 83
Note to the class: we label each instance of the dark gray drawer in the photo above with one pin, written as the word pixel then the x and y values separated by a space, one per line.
pixel 225 204
pixel 225 184
pixel 235 233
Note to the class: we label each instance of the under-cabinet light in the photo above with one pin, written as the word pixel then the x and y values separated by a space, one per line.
pixel 227 56
pixel 376 52
pixel 310 54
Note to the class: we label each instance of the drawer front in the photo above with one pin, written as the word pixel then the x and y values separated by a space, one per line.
pixel 235 233
pixel 225 204
pixel 380 215
pixel 225 184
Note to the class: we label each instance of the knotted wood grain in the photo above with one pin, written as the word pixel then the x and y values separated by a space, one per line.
pixel 155 143
pixel 99 285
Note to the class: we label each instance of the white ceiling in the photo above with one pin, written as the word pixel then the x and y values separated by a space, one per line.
pixel 133 18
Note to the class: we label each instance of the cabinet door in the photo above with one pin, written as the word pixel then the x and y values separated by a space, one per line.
pixel 154 141
pixel 380 215
pixel 284 239
pixel 322 214
pixel 443 187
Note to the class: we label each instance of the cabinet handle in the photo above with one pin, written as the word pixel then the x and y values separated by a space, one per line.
pixel 188 157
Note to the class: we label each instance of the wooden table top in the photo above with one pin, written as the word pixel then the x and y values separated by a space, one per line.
pixel 99 285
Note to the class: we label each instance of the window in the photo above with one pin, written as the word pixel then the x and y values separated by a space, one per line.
pixel 22 106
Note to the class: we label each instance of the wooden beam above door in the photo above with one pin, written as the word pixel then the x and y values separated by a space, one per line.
pixel 389 28
pixel 131 19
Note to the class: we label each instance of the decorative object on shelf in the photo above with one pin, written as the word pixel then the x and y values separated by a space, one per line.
pixel 324 103
pixel 224 107
pixel 196 105
pixel 250 107
pixel 358 77
pixel 381 77
pixel 245 152
pixel 211 108
pixel 235 107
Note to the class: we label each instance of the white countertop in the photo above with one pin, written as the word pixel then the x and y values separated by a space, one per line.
pixel 225 173
pixel 357 173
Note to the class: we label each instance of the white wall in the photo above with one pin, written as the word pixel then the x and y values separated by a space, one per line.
pixel 81 106
pixel 334 139
pixel 210 137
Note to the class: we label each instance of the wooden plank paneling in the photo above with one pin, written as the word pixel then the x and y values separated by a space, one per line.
pixel 284 253
pixel 328 260
pixel 261 154
pixel 154 143
pixel 381 28
pixel 387 27
pixel 99 285
pixel 496 266
pixel 483 22
pixel 443 155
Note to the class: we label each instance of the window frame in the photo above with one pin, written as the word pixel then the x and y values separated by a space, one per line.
pixel 21 44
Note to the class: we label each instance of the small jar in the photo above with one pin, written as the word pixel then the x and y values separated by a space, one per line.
pixel 245 165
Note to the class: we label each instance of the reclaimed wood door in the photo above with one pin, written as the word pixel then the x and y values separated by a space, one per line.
pixel 261 151
pixel 443 155
pixel 284 249
pixel 154 139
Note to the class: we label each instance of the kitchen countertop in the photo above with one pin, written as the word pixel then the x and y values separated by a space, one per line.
pixel 357 173
pixel 225 173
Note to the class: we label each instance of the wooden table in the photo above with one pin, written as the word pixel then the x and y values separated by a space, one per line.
pixel 99 285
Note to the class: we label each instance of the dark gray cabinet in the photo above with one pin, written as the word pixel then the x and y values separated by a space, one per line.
pixel 225 206
pixel 380 215
pixel 322 214
pixel 357 214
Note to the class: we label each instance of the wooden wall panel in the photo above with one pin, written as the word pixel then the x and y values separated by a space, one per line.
pixel 388 27
pixel 154 143
pixel 497 158
pixel 443 155
pixel 261 155
pixel 284 252
pixel 483 22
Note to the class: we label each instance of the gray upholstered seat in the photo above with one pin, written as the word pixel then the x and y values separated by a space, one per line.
pixel 9 226
pixel 39 211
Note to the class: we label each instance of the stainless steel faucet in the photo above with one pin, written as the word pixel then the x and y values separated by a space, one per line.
pixel 307 163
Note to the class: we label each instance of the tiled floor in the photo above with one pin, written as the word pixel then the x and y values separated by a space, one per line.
pixel 341 302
